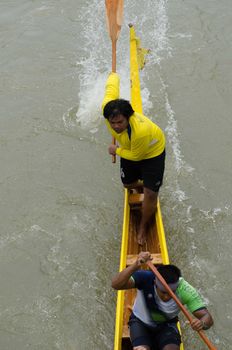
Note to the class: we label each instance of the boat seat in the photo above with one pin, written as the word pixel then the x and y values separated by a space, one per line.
pixel 135 198
pixel 156 259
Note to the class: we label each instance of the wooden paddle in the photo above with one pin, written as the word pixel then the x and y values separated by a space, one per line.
pixel 114 15
pixel 181 306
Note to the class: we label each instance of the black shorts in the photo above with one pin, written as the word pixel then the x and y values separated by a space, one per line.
pixel 151 171
pixel 157 338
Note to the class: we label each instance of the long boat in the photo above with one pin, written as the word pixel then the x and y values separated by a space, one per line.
pixel 156 241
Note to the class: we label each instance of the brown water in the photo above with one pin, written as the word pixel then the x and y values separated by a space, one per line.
pixel 61 198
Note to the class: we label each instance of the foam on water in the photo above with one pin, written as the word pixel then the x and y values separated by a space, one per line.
pixel 93 67
pixel 158 37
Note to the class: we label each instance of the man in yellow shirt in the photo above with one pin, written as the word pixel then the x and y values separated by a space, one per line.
pixel 141 146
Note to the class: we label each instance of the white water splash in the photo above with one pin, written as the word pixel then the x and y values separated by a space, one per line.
pixel 173 138
pixel 89 112
pixel 96 66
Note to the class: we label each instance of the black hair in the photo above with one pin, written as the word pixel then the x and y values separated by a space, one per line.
pixel 116 107
pixel 170 273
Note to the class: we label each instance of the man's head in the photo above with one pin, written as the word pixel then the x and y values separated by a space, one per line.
pixel 171 275
pixel 118 113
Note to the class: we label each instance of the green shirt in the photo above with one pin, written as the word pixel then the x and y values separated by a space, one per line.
pixel 189 296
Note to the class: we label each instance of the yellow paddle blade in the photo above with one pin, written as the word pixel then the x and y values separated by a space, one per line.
pixel 114 16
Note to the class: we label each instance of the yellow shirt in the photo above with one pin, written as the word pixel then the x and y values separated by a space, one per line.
pixel 147 139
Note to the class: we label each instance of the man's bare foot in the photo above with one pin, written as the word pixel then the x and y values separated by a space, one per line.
pixel 141 238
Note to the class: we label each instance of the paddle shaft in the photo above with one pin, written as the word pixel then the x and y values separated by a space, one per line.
pixel 181 306
pixel 114 56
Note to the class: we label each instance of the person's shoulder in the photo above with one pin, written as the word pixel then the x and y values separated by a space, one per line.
pixel 139 122
pixel 189 295
pixel 185 290
pixel 184 285
pixel 143 279
pixel 142 121
pixel 143 275
pixel 139 117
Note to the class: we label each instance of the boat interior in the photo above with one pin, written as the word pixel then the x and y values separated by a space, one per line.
pixel 152 245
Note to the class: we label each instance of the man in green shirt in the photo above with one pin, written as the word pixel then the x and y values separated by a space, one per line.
pixel 153 321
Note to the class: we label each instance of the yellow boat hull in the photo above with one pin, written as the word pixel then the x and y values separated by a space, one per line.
pixel 156 241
